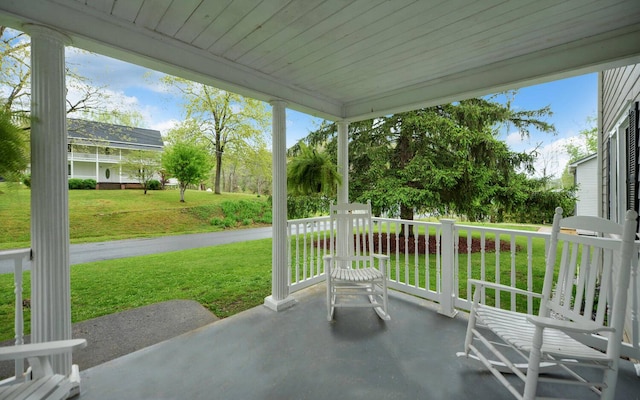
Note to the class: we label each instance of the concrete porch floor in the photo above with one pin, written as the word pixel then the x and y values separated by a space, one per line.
pixel 297 354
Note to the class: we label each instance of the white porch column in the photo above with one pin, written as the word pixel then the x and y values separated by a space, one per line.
pixel 50 272
pixel 343 230
pixel 279 299
pixel 343 160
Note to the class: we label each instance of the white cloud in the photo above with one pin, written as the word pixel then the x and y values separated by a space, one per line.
pixel 165 126
pixel 553 157
pixel 514 139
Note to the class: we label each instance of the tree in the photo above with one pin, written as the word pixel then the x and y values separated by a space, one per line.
pixel 585 144
pixel 311 172
pixel 186 162
pixel 84 99
pixel 143 165
pixel 222 118
pixel 13 151
pixel 440 159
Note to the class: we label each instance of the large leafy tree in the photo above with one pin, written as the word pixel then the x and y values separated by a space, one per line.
pixel 439 159
pixel 188 163
pixel 222 118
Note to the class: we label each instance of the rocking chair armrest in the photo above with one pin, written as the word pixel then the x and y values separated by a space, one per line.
pixel 568 326
pixel 499 286
pixel 41 349
pixel 381 257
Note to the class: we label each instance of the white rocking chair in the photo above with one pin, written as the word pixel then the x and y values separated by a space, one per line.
pixel 584 296
pixel 353 270
pixel 42 382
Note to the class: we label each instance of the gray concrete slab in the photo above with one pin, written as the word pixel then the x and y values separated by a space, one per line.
pixel 297 354
pixel 115 335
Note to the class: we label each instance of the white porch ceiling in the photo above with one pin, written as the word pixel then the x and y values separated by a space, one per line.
pixel 350 59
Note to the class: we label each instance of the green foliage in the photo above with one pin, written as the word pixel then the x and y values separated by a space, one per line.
pixel 243 212
pixel 14 156
pixel 312 171
pixel 26 180
pixel 307 206
pixel 187 162
pixel 218 119
pixel 442 160
pixel 142 165
pixel 154 184
pixel 78 184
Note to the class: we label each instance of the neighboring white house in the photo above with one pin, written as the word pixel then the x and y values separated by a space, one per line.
pixel 585 177
pixel 96 149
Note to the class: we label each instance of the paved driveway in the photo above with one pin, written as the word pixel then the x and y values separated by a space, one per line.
pixel 89 252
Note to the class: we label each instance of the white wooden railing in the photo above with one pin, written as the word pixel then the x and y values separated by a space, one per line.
pixel 112 158
pixel 436 262
pixel 19 257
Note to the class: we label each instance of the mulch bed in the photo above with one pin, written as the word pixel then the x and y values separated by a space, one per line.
pixel 401 244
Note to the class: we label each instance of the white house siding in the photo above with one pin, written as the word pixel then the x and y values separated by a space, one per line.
pixel 619 90
pixel 585 175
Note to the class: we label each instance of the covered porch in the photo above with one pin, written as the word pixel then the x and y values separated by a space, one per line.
pixel 343 61
pixel 297 354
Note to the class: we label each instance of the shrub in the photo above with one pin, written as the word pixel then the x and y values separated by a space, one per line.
pixel 217 221
pixel 75 183
pixel 26 180
pixel 89 184
pixel 243 212
pixel 154 184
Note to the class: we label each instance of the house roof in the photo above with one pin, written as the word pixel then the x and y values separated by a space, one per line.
pixel 89 132
pixel 351 60
pixel 583 160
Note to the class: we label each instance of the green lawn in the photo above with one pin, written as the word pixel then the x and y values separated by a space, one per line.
pixel 217 277
pixel 96 215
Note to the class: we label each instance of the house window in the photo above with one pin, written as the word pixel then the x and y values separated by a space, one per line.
pixel 107 151
pixel 69 169
pixel 69 148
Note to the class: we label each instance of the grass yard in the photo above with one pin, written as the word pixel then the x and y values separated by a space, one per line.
pixel 96 215
pixel 217 277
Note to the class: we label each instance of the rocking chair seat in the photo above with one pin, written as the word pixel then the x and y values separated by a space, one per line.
pixel 518 329
pixel 356 275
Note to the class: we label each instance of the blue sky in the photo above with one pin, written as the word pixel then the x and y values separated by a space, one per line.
pixel 572 101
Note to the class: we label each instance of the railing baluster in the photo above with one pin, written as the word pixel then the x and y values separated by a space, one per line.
pixel 416 252
pixel 497 247
pixel 513 270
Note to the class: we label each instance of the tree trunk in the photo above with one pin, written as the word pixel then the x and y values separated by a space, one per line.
pixel 182 189
pixel 406 213
pixel 218 172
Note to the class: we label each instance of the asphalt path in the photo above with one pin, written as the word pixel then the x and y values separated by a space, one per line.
pixel 89 252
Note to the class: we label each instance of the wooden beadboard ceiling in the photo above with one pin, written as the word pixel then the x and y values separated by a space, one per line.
pixel 350 59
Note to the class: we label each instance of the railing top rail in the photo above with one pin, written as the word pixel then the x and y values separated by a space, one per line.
pixel 502 230
pixel 308 220
pixel 410 221
pixel 14 253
